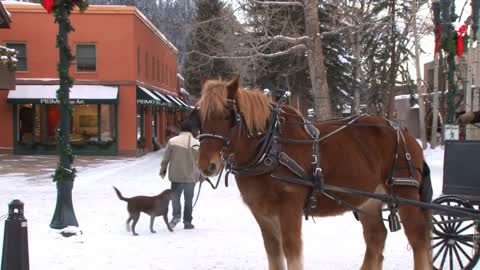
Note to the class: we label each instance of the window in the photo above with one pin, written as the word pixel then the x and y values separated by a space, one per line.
pixel 86 58
pixel 21 49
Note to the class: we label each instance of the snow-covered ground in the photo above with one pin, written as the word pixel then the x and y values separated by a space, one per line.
pixel 226 235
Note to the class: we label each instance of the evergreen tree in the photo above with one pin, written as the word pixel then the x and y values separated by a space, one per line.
pixel 208 39
pixel 378 47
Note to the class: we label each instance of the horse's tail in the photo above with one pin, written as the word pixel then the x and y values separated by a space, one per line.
pixel 426 191
pixel 426 194
pixel 120 194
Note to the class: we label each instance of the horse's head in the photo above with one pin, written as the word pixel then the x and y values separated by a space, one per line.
pixel 224 112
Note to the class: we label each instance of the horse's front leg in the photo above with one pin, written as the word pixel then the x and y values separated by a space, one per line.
pixel 272 239
pixel 291 227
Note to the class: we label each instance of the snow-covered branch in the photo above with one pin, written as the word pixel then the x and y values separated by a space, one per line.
pixel 290 39
pixel 280 3
pixel 258 54
pixel 285 52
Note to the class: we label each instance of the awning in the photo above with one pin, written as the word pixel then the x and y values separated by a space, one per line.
pixel 181 101
pixel 175 101
pixel 79 94
pixel 147 97
pixel 165 100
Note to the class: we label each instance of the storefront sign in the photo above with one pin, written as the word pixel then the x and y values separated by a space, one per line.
pixel 148 102
pixel 451 132
pixel 56 101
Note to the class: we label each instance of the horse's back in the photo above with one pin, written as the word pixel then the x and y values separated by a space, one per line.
pixel 367 148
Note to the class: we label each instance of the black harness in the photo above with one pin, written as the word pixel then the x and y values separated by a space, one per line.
pixel 270 155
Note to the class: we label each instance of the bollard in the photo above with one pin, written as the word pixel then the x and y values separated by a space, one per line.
pixel 15 239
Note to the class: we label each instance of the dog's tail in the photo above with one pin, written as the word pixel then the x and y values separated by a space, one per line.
pixel 119 194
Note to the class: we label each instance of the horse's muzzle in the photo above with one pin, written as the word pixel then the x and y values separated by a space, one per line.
pixel 211 169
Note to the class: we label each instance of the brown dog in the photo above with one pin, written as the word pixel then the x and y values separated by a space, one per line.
pixel 153 206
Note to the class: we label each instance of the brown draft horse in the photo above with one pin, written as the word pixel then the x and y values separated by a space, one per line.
pixel 359 157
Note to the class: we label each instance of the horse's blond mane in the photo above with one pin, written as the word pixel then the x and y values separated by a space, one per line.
pixel 253 104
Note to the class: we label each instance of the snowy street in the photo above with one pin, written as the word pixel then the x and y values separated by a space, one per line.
pixel 226 235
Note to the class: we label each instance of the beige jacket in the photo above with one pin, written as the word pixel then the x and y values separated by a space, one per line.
pixel 181 157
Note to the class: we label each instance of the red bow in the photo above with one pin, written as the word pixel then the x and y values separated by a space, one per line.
pixel 438 37
pixel 48 5
pixel 462 31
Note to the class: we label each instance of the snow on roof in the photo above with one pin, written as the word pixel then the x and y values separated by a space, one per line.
pixel 408 96
pixel 13 2
pixel 2 48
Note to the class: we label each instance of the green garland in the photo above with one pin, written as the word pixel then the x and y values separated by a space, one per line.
pixel 444 14
pixel 475 17
pixel 62 11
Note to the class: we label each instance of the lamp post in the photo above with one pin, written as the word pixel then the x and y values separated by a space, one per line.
pixel 64 176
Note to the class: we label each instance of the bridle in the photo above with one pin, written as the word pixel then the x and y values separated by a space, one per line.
pixel 235 120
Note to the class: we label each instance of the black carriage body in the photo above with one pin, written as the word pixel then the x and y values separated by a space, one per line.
pixel 461 170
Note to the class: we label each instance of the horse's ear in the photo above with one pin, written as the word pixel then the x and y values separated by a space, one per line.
pixel 232 87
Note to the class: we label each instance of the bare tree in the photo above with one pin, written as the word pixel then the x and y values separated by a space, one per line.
pixel 421 104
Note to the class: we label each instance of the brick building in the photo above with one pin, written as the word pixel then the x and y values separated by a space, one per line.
pixel 125 97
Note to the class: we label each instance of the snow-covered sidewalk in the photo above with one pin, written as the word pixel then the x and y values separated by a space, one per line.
pixel 226 235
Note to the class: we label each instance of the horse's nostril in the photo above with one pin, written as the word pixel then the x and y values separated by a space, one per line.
pixel 212 167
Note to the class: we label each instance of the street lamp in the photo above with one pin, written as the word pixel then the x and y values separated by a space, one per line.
pixel 64 176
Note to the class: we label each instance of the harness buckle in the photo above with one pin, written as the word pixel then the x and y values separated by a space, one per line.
pixel 315 159
pixel 268 161
pixel 318 171
pixel 408 156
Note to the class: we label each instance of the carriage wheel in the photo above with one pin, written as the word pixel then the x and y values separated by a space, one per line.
pixel 455 243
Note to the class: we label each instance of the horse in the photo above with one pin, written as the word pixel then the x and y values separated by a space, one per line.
pixel 282 164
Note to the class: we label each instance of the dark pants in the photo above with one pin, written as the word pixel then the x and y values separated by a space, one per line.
pixel 188 190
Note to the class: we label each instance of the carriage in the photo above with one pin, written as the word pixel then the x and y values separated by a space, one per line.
pixel 456 240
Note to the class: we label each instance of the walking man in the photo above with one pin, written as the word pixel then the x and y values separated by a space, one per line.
pixel 181 155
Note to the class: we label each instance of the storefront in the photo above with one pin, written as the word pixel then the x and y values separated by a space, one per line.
pixel 36 116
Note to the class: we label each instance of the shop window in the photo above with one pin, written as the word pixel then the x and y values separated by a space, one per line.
pixel 26 123
pixel 50 118
pixel 154 122
pixel 107 123
pixel 90 124
pixel 21 49
pixel 140 124
pixel 85 123
pixel 86 57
